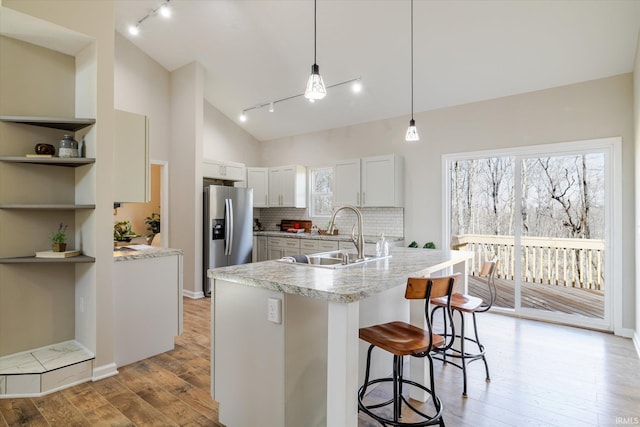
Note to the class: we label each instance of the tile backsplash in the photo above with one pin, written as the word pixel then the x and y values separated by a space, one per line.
pixel 389 221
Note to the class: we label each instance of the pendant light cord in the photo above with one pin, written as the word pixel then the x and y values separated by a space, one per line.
pixel 411 59
pixel 315 36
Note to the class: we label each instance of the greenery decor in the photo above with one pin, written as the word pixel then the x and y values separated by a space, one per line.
pixel 428 245
pixel 153 223
pixel 122 231
pixel 60 235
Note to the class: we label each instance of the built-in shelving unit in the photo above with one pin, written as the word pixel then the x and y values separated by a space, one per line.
pixel 34 260
pixel 62 123
pixel 48 207
pixel 72 162
pixel 25 373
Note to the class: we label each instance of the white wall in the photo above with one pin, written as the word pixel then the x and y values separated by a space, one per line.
pixel 143 86
pixel 185 172
pixel 222 139
pixel 594 109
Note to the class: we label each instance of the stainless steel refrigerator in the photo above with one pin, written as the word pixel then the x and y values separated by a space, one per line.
pixel 228 228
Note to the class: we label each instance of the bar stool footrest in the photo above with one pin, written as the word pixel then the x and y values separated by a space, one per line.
pixel 427 420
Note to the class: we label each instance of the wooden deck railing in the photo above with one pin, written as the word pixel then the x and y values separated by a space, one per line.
pixel 576 263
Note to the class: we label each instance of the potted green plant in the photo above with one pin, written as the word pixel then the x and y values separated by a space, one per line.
pixel 58 238
pixel 122 231
pixel 153 223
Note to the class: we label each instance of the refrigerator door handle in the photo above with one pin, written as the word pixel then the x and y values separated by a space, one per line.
pixel 229 226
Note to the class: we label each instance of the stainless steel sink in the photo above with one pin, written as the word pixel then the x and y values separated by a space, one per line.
pixel 334 259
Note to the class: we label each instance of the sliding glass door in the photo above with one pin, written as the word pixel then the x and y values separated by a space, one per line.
pixel 544 213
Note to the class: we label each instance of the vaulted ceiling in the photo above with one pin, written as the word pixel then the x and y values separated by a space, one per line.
pixel 256 51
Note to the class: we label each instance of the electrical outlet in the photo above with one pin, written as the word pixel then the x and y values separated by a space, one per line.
pixel 274 310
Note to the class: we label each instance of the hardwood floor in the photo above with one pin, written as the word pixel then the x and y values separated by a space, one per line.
pixel 170 389
pixel 541 375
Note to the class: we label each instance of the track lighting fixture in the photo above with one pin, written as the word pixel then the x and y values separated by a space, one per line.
pixel 356 87
pixel 412 131
pixel 315 85
pixel 164 10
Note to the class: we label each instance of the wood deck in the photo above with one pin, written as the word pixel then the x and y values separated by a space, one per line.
pixel 580 302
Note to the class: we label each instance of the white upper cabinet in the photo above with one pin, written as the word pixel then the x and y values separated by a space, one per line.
pixel 382 181
pixel 228 171
pixel 131 162
pixel 288 186
pixel 258 179
pixel 369 182
pixel 347 183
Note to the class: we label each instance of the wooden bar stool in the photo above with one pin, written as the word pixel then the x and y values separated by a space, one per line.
pixel 402 339
pixel 462 303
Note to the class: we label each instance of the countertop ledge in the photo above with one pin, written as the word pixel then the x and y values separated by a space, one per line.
pixel 340 237
pixel 344 285
pixel 154 252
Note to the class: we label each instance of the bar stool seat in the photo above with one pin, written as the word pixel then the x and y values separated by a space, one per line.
pixel 460 302
pixel 463 303
pixel 403 339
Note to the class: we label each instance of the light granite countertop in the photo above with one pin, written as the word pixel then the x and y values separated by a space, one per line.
pixel 345 284
pixel 338 237
pixel 126 254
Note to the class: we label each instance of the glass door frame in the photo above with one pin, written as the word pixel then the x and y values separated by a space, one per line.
pixel 611 148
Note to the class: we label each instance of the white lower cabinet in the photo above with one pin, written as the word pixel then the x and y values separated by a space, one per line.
pixel 279 247
pixel 328 245
pixel 260 252
pixel 313 246
pixel 308 246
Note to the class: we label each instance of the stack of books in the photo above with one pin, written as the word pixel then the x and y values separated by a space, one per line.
pixel 52 254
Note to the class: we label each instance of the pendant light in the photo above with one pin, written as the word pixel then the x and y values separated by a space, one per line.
pixel 315 85
pixel 412 131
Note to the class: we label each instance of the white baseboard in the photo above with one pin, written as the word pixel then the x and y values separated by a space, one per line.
pixel 636 342
pixel 104 371
pixel 626 332
pixel 192 295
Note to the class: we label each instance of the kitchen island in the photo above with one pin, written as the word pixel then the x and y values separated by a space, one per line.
pixel 285 347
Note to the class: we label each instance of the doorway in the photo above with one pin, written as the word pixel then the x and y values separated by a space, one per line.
pixel 547 213
pixel 140 215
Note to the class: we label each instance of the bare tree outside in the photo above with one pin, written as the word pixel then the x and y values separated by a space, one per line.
pixel 561 203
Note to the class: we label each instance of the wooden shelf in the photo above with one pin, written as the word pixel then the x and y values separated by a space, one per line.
pixel 72 162
pixel 48 207
pixel 63 123
pixel 34 260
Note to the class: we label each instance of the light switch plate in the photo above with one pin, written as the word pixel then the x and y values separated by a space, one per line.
pixel 274 310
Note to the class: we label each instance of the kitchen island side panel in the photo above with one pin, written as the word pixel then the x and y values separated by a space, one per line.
pixel 247 375
pixel 148 298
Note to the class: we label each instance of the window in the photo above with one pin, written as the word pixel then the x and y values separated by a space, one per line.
pixel 321 192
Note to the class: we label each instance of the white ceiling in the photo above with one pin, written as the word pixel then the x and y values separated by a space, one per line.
pixel 255 51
